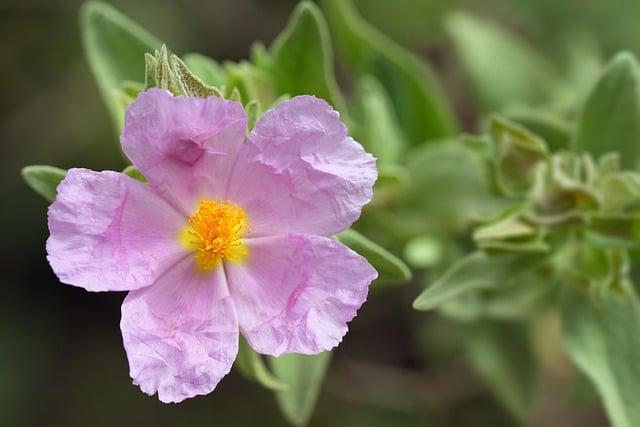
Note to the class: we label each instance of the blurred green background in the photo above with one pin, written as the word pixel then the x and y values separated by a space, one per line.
pixel 61 358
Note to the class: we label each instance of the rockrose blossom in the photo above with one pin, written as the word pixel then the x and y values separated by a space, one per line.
pixel 231 235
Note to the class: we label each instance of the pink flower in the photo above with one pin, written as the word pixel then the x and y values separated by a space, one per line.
pixel 231 235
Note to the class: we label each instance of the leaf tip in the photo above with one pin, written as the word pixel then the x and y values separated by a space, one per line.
pixel 306 7
pixel 43 179
pixel 625 58
pixel 421 303
pixel 92 9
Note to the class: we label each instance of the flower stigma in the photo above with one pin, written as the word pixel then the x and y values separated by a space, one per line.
pixel 215 233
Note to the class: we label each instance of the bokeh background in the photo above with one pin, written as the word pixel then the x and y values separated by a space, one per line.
pixel 61 357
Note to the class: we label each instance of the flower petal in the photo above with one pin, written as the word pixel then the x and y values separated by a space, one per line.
pixel 110 232
pixel 300 172
pixel 185 147
pixel 296 292
pixel 181 334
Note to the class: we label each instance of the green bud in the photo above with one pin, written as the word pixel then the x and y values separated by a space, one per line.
pixel 169 72
pixel 189 83
pixel 563 194
pixel 518 153
pixel 150 69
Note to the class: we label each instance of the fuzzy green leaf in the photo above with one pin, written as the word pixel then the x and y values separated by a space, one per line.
pixel 502 67
pixel 620 230
pixel 235 95
pixel 603 338
pixel 252 82
pixel 115 47
pixel 553 129
pixel 523 299
pixel 562 195
pixel 610 118
pixel 391 186
pixel 304 374
pixel 509 227
pixel 253 367
pixel 302 57
pixel 464 199
pixel 390 268
pixel 191 84
pixel 253 110
pixel 134 173
pixel 518 152
pixel 43 179
pixel 418 99
pixel 502 353
pixel 377 127
pixel 476 271
pixel 150 70
pixel 208 70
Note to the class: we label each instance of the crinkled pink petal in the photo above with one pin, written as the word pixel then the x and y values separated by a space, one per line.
pixel 181 334
pixel 295 293
pixel 185 147
pixel 300 172
pixel 110 232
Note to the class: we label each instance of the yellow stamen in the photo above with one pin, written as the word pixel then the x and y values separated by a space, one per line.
pixel 215 232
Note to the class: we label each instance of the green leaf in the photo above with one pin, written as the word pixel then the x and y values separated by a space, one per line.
pixel 509 232
pixel 508 227
pixel 150 70
pixel 421 106
pixel 252 82
pixel 43 179
pixel 562 195
pixel 610 118
pixel 465 308
pixel 235 95
pixel 253 110
pixel 167 71
pixel 165 76
pixel 502 67
pixel 620 230
pixel 391 186
pixel 464 198
pixel 260 56
pixel 304 374
pixel 518 152
pixel 583 393
pixel 609 164
pixel 190 84
pixel 393 175
pixel 376 125
pixel 502 353
pixel 390 268
pixel 208 70
pixel 534 244
pixel 134 173
pixel 555 131
pixel 115 47
pixel 603 339
pixel 583 66
pixel 620 191
pixel 302 57
pixel 253 367
pixel 476 271
pixel 523 299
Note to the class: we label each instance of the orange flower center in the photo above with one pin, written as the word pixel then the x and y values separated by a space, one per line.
pixel 215 232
